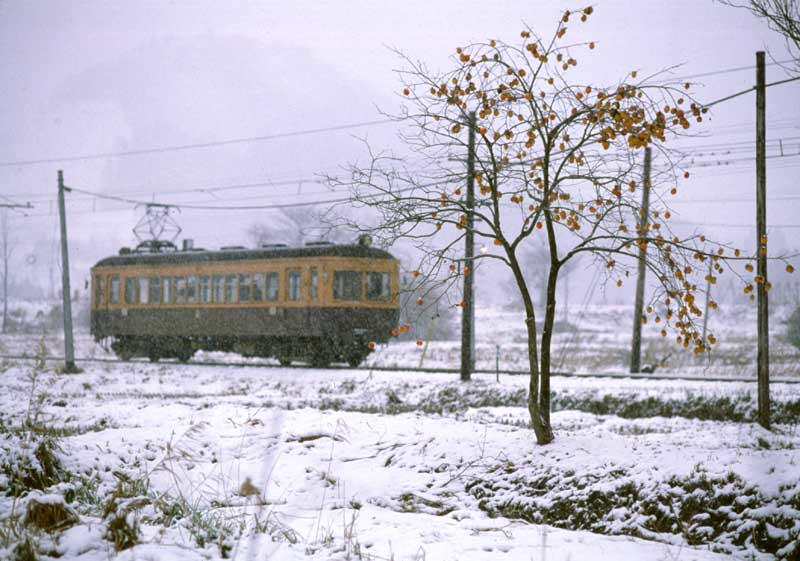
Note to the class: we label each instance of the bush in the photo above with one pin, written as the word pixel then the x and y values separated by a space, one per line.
pixel 720 511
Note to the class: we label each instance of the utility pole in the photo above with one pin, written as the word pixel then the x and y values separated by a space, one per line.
pixel 636 348
pixel 468 311
pixel 69 351
pixel 761 244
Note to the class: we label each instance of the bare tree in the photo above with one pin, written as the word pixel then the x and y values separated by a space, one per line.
pixel 293 226
pixel 6 250
pixel 558 163
pixel 782 16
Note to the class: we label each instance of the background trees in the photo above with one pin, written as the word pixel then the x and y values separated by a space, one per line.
pixel 294 226
pixel 6 249
pixel 782 16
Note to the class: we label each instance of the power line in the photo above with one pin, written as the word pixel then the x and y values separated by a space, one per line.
pixel 728 147
pixel 182 147
pixel 790 122
pixel 255 183
pixel 732 161
pixel 206 207
pixel 736 200
pixel 729 70
pixel 718 225
pixel 89 195
pixel 750 89
pixel 723 161
pixel 748 144
pixel 252 207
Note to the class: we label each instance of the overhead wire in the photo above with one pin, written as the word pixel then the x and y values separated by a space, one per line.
pixel 726 225
pixel 194 146
pixel 725 149
pixel 748 90
pixel 729 70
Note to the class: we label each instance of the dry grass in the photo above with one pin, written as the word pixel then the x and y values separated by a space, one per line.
pixel 49 516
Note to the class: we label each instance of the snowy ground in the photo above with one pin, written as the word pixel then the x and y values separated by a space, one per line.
pixel 252 463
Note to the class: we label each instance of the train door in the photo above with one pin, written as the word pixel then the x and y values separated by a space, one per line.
pixel 100 304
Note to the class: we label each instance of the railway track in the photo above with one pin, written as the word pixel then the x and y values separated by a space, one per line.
pixel 774 380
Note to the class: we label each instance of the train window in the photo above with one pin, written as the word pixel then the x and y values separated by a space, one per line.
pixel 347 285
pixel 130 290
pixel 258 287
pixel 166 292
pixel 273 284
pixel 191 289
pixel 113 296
pixel 155 290
pixel 293 286
pixel 144 290
pixel 314 286
pixel 230 289
pixel 99 290
pixel 244 288
pixel 180 290
pixel 205 289
pixel 379 286
pixel 218 289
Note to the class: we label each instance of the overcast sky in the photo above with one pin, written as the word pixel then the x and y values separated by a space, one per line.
pixel 84 78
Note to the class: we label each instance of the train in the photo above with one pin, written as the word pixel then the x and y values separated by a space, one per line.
pixel 319 303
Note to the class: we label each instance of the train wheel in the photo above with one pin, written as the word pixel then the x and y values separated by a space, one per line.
pixel 184 350
pixel 321 359
pixel 355 360
pixel 153 356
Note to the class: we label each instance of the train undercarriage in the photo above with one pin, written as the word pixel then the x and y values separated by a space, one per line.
pixel 319 352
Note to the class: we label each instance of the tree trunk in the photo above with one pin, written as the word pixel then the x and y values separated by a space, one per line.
pixel 540 418
pixel 547 338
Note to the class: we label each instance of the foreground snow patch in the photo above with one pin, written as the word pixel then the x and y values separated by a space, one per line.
pixel 207 463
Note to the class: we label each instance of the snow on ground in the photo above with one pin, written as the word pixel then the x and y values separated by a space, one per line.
pixel 252 463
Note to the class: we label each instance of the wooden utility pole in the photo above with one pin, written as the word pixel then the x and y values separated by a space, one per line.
pixel 636 348
pixel 761 244
pixel 468 311
pixel 69 351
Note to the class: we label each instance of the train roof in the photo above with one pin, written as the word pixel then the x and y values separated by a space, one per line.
pixel 213 256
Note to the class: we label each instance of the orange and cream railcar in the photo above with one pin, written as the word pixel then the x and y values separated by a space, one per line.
pixel 321 303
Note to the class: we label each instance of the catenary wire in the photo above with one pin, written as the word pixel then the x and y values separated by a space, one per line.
pixel 183 147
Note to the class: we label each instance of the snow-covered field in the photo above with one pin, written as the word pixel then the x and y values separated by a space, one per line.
pixel 174 462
